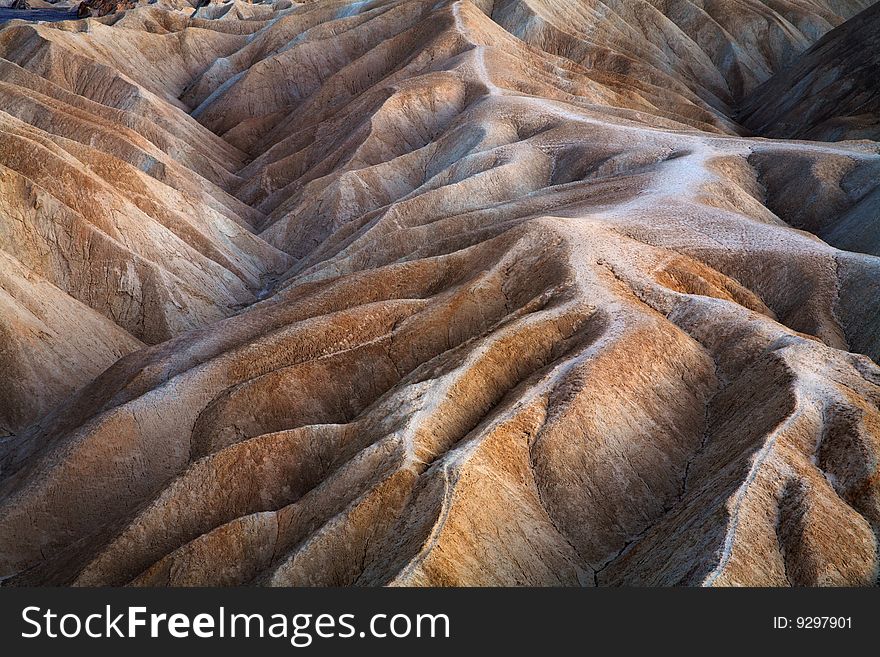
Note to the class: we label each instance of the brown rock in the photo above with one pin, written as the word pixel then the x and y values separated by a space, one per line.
pixel 432 293
pixel 99 8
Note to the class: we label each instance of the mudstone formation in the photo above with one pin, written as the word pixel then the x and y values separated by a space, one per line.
pixel 441 292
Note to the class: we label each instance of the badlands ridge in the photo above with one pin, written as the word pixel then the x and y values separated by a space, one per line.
pixel 523 292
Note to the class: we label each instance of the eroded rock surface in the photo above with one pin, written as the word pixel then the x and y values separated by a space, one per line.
pixel 432 293
pixel 830 92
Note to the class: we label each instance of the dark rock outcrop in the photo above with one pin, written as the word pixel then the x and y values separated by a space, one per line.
pixel 830 93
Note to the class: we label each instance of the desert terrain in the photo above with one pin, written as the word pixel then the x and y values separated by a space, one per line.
pixel 440 293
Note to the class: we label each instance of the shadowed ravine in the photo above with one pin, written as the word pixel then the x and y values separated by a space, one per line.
pixel 521 292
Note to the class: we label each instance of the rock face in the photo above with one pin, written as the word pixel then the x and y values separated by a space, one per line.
pixel 433 293
pixel 103 7
pixel 830 92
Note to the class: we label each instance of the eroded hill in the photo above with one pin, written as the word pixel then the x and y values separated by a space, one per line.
pixel 829 92
pixel 432 292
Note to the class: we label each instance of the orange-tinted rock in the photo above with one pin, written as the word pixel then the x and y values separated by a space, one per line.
pixel 432 293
